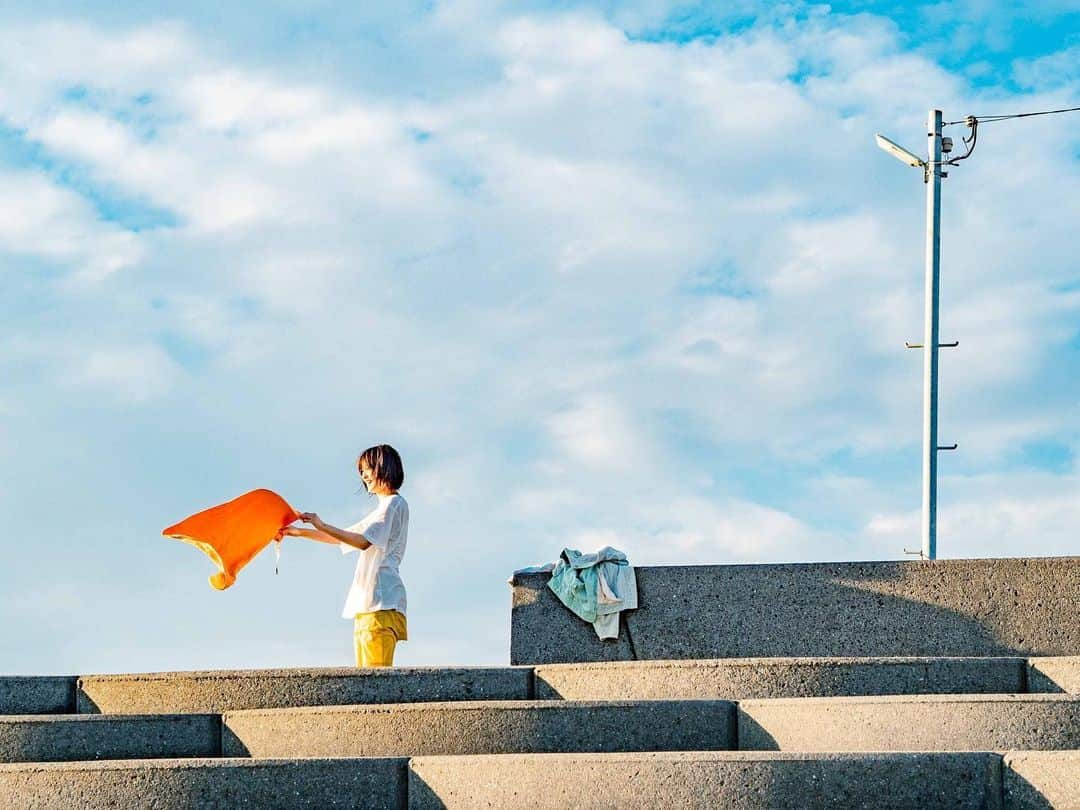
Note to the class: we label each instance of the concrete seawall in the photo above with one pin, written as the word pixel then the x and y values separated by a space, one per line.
pixel 987 607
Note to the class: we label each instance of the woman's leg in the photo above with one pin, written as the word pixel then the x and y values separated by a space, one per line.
pixel 375 648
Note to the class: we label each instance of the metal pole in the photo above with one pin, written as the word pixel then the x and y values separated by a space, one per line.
pixel 930 336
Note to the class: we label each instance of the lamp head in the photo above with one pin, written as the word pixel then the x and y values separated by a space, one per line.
pixel 899 152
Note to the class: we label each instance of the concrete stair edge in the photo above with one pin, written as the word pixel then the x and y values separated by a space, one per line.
pixel 913 723
pixel 1009 779
pixel 218 691
pixel 883 723
pixel 46 738
pixel 477 727
pixel 230 690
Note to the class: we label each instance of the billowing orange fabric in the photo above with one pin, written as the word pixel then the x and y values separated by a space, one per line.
pixel 233 533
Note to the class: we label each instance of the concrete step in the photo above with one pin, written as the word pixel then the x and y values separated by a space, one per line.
pixel 212 692
pixel 911 723
pixel 37 694
pixel 60 738
pixel 744 678
pixel 707 780
pixel 702 779
pixel 1058 674
pixel 223 691
pixel 885 723
pixel 184 784
pixel 492 727
pixel 1041 779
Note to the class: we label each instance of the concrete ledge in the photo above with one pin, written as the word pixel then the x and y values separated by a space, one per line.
pixel 743 678
pixel 222 691
pixel 44 738
pixel 707 780
pixel 206 784
pixel 648 780
pixel 480 728
pixel 927 723
pixel 1061 674
pixel 37 694
pixel 998 607
pixel 1041 779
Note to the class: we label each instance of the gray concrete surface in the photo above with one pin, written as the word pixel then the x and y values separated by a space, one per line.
pixel 648 780
pixel 59 738
pixel 222 691
pixel 1041 779
pixel 1059 674
pixel 911 723
pixel 992 607
pixel 480 728
pixel 37 694
pixel 203 784
pixel 742 678
pixel 707 780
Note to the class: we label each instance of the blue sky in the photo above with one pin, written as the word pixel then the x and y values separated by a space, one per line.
pixel 627 273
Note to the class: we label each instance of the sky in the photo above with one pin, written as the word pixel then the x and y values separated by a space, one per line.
pixel 629 274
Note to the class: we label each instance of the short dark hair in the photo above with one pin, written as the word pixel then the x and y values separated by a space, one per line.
pixel 385 464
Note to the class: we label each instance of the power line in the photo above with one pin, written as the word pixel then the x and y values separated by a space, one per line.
pixel 982 119
pixel 973 122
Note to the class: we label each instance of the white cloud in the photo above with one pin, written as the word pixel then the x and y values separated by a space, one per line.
pixel 669 525
pixel 229 100
pixel 1049 71
pixel 704 530
pixel 1012 514
pixel 40 219
pixel 53 54
pixel 596 432
pixel 125 373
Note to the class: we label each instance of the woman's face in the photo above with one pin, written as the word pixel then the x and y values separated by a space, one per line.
pixel 368 478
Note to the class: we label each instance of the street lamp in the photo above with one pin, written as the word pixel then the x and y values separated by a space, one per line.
pixel 938 145
pixel 932 175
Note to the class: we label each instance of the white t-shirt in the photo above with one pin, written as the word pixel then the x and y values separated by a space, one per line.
pixel 377 584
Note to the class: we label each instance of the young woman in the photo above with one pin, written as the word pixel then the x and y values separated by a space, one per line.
pixel 376 600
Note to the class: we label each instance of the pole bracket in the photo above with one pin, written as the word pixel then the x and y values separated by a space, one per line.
pixel 952 345
pixel 947 447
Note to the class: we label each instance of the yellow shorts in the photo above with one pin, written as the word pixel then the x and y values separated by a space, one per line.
pixel 376 634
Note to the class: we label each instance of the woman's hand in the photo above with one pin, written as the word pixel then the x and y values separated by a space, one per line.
pixel 290 531
pixel 312 518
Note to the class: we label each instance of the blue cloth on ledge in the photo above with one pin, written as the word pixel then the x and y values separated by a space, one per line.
pixel 596 587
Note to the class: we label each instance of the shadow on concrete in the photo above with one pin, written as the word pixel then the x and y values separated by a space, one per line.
pixel 751 735
pixel 231 744
pixel 1039 779
pixel 37 694
pixel 421 795
pixel 1040 682
pixel 84 703
pixel 1020 793
pixel 1054 675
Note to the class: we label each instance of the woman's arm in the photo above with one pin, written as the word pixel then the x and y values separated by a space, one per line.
pixel 310 534
pixel 331 534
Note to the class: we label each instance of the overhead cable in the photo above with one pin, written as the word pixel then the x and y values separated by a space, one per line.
pixel 985 118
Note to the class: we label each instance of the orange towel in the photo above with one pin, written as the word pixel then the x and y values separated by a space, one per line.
pixel 233 533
